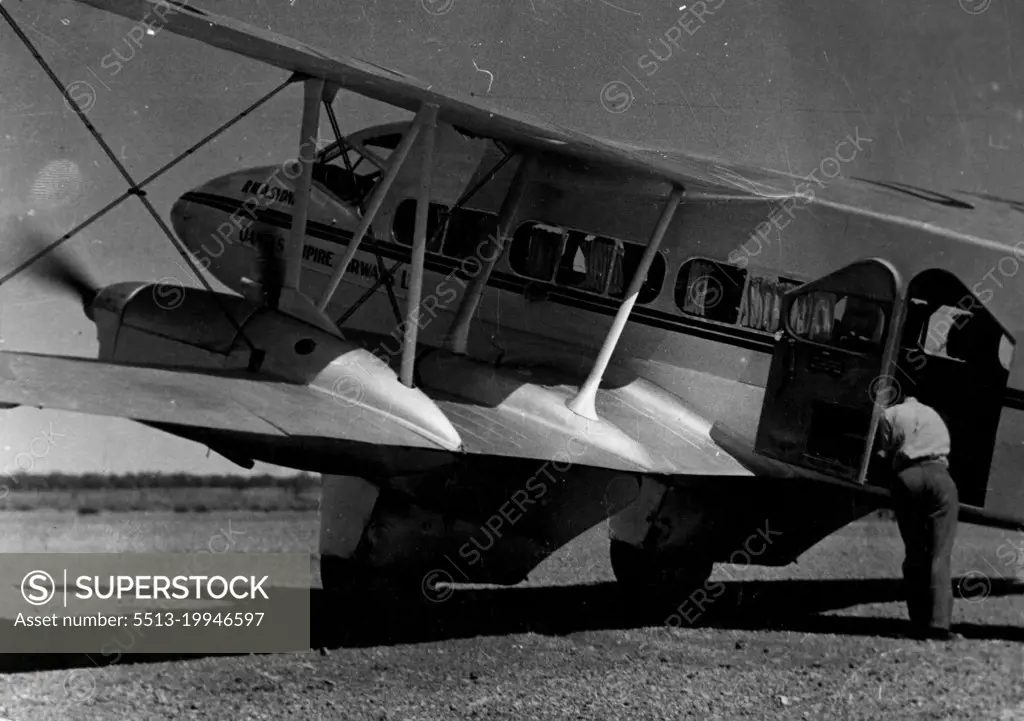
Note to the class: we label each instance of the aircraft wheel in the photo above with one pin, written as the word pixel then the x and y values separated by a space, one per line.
pixel 347 580
pixel 339 575
pixel 634 567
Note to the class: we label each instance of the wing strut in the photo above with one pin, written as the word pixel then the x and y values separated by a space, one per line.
pixel 583 403
pixel 313 92
pixel 419 245
pixel 288 297
pixel 458 336
pixel 380 190
pixel 459 204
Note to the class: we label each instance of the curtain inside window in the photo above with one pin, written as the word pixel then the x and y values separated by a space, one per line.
pixel 617 286
pixel 696 287
pixel 761 303
pixel 812 316
pixel 600 253
pixel 544 248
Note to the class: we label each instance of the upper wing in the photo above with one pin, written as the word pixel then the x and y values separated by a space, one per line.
pixel 467 113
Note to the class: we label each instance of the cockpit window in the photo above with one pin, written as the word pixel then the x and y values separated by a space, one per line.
pixel 378 149
pixel 388 142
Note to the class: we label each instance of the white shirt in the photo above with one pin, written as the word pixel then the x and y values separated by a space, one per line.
pixel 911 430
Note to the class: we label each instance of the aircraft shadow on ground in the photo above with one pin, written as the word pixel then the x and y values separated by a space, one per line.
pixel 381 620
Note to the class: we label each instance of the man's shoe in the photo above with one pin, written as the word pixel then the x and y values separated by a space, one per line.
pixel 934 634
pixel 943 634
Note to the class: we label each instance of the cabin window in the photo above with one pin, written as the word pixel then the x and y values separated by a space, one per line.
pixel 627 263
pixel 841 321
pixel 404 224
pixel 811 316
pixel 583 261
pixel 535 250
pixel 457 235
pixel 467 230
pixel 761 304
pixel 727 294
pixel 587 262
pixel 710 290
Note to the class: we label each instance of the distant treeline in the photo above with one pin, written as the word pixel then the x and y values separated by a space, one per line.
pixel 92 481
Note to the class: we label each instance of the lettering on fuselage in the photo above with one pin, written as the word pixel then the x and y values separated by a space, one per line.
pixel 261 238
pixel 267 192
pixel 317 255
pixel 367 269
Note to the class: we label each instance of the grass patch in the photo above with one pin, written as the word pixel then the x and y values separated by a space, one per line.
pixel 93 493
pixel 101 481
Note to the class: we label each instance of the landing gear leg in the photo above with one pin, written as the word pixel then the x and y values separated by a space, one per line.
pixel 648 542
pixel 346 506
pixel 376 543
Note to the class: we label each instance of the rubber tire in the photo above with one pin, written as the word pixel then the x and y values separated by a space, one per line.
pixel 345 579
pixel 339 575
pixel 634 567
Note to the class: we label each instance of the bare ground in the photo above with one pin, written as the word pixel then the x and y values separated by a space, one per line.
pixel 820 639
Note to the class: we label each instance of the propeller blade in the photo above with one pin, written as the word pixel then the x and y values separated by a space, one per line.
pixel 61 270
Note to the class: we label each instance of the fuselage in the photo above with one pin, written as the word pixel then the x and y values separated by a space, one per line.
pixel 554 291
pixel 521 319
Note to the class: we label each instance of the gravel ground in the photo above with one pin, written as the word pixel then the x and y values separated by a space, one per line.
pixel 817 640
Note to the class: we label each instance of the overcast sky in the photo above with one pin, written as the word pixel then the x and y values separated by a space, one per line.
pixel 934 85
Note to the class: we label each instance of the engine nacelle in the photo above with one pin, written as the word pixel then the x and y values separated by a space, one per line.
pixel 192 329
pixel 173 326
pixel 168 325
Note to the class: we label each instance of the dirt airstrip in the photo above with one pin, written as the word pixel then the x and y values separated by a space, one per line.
pixel 820 639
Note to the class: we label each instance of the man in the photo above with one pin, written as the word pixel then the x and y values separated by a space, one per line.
pixel 914 438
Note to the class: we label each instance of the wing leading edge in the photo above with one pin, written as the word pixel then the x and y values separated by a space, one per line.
pixel 200 400
pixel 497 412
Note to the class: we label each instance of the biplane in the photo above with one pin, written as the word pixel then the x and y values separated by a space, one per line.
pixel 489 334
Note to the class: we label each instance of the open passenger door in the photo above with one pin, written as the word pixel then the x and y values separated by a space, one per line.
pixel 831 370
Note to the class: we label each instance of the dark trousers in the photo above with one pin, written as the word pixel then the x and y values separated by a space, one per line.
pixel 926 504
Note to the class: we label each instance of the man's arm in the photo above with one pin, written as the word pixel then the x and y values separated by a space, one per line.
pixel 885 443
pixel 884 435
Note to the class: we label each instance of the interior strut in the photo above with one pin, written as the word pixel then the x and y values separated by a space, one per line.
pixel 386 277
pixel 345 148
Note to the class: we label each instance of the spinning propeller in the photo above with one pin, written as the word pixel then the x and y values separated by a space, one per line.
pixel 61 270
